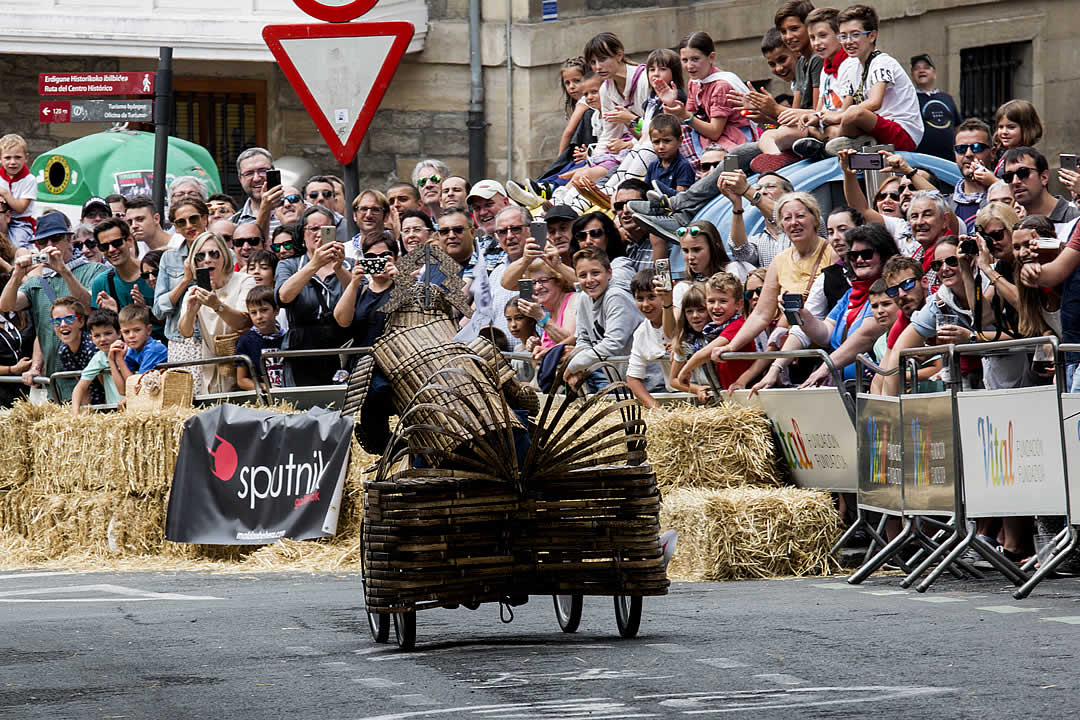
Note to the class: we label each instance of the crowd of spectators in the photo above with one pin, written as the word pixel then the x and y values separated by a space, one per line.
pixel 601 256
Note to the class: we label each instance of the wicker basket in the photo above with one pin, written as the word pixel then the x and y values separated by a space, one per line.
pixel 225 345
pixel 173 388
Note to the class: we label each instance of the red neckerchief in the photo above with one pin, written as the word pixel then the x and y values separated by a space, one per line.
pixel 902 321
pixel 18 176
pixel 860 291
pixel 832 65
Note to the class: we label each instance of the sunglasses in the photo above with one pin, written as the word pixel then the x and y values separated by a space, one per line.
pixel 65 320
pixel 212 254
pixel 1021 172
pixel 905 285
pixel 421 182
pixel 183 222
pixel 953 262
pixel 115 244
pixel 239 242
pixel 326 194
pixel 991 237
pixel 278 247
pixel 594 233
pixel 890 194
pixel 511 230
pixel 693 231
pixel 973 147
pixel 618 206
pixel 445 231
pixel 292 199
pixel 148 274
pixel 751 294
pixel 709 167
pixel 866 254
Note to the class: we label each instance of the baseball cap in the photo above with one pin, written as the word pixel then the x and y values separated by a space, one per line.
pixel 50 225
pixel 486 189
pixel 922 58
pixel 94 202
pixel 560 212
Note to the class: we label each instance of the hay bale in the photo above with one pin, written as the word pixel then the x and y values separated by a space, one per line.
pixel 750 532
pixel 17 438
pixel 711 447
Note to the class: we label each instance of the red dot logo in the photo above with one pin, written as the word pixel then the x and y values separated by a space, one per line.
pixel 224 459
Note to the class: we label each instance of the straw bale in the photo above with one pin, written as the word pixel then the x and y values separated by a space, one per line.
pixel 713 447
pixel 750 532
pixel 16 440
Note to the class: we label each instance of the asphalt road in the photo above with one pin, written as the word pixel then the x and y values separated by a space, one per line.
pixel 192 645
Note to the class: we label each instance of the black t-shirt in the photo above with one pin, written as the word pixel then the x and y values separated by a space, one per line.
pixel 940 118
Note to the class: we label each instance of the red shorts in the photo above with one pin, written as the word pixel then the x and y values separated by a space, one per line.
pixel 888 132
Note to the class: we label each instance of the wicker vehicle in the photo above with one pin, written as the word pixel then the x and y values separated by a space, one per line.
pixel 483 495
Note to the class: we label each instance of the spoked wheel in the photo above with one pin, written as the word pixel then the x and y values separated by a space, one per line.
pixel 568 611
pixel 405 629
pixel 379 624
pixel 628 614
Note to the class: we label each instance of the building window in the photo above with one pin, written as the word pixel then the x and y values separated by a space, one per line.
pixel 225 116
pixel 988 78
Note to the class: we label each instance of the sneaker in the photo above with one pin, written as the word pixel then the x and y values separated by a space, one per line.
pixel 766 162
pixel 541 190
pixel 662 225
pixel 522 196
pixel 834 146
pixel 658 202
pixel 808 147
pixel 668 540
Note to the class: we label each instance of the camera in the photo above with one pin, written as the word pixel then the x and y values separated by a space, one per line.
pixel 39 258
pixel 968 246
pixel 373 265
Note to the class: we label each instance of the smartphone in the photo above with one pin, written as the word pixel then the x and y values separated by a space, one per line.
pixel 539 233
pixel 202 278
pixel 731 163
pixel 866 161
pixel 662 268
pixel 525 290
pixel 273 178
pixel 793 302
pixel 327 234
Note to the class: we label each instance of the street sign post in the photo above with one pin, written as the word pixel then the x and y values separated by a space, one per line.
pixel 111 83
pixel 63 111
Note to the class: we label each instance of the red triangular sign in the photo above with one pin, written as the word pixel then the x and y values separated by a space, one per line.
pixel 341 72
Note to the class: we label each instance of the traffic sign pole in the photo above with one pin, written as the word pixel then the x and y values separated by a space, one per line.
pixel 162 121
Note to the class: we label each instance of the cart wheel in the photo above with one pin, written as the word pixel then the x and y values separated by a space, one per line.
pixel 568 611
pixel 405 629
pixel 628 614
pixel 379 624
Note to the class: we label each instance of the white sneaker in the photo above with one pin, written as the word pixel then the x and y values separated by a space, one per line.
pixel 525 197
pixel 668 540
pixel 834 146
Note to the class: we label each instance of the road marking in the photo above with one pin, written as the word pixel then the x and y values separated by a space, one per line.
pixel 591 708
pixel 706 703
pixel 883 593
pixel 834 586
pixel 939 599
pixel 127 594
pixel 415 699
pixel 671 648
pixel 722 663
pixel 1067 619
pixel 1008 609
pixel 781 679
pixel 51 573
pixel 376 683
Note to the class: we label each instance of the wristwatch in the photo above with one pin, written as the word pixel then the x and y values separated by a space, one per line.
pixel 756 198
pixel 911 174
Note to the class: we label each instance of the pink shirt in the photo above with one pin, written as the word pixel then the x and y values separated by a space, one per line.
pixel 711 96
pixel 545 340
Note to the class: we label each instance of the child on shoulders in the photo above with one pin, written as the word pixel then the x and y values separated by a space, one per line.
pixel 18 188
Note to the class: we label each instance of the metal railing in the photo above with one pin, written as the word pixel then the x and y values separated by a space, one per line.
pixel 817 353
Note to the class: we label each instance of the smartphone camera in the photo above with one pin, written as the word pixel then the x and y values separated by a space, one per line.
pixel 793 302
pixel 731 163
pixel 662 268
pixel 867 161
pixel 525 289
pixel 273 178
pixel 327 234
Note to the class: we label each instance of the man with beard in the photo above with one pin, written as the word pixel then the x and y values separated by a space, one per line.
pixel 906 284
pixel 251 166
pixel 973 153
pixel 113 288
pixel 427 177
pixel 1027 173
pixel 642 247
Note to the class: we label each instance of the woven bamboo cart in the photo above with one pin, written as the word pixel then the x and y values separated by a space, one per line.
pixel 483 495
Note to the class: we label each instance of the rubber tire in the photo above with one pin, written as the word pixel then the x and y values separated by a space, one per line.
pixel 379 624
pixel 569 621
pixel 628 614
pixel 405 629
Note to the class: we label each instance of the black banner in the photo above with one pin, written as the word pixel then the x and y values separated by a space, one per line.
pixel 251 477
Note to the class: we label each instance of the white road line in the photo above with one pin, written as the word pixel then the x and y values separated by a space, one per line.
pixel 671 648
pixel 883 593
pixel 126 593
pixel 1067 619
pixel 781 679
pixel 834 586
pixel 1008 609
pixel 939 599
pixel 377 683
pixel 721 663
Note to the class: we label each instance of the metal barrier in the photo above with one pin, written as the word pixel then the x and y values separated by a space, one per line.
pixel 309 396
pixel 244 359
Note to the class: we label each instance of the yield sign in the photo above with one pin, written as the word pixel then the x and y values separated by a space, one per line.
pixel 341 72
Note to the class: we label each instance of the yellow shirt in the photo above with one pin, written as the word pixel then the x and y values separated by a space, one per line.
pixel 796 276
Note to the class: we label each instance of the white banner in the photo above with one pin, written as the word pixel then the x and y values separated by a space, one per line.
pixel 816 435
pixel 1011 448
pixel 1070 409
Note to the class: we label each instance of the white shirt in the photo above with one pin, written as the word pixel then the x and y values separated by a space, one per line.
pixel 648 346
pixel 25 187
pixel 901 102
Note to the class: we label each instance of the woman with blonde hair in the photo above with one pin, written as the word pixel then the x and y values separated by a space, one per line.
pixel 218 311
